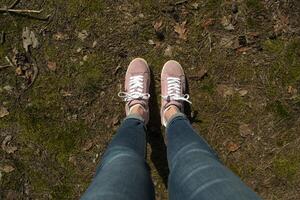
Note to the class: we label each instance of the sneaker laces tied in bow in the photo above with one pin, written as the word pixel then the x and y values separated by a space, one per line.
pixel 174 91
pixel 135 90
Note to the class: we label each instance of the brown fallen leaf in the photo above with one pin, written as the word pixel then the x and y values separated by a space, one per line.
pixel 6 168
pixel 181 30
pixel 245 130
pixel 243 93
pixel 19 71
pixel 52 66
pixel 199 75
pixel 6 145
pixel 292 90
pixel 243 49
pixel 157 25
pixel 83 35
pixel 168 51
pixel 88 145
pixel 232 147
pixel 224 90
pixel 208 22
pixel 59 36
pixel 3 112
pixel 29 39
pixel 226 22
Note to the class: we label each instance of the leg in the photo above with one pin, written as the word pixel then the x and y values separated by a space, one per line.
pixel 195 171
pixel 123 173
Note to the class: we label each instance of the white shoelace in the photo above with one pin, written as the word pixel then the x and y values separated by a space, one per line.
pixel 136 87
pixel 174 90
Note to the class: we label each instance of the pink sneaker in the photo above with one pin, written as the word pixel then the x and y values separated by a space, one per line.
pixel 173 88
pixel 137 82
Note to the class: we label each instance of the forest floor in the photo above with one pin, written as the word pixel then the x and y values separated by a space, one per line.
pixel 59 107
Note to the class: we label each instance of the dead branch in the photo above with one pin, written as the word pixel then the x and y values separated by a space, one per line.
pixel 4 66
pixel 6 9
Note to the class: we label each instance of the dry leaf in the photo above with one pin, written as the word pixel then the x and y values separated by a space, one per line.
pixel 94 44
pixel 199 75
pixel 243 92
pixel 226 22
pixel 232 147
pixel 243 49
pixel 3 112
pixel 208 22
pixel 59 36
pixel 85 58
pixel 181 30
pixel 292 90
pixel 7 168
pixel 83 35
pixel 52 66
pixel 88 145
pixel 157 25
pixel 224 90
pixel 19 71
pixel 6 147
pixel 168 51
pixel 245 130
pixel 29 39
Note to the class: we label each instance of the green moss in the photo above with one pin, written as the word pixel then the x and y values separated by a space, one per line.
pixel 279 108
pixel 2 52
pixel 274 46
pixel 89 76
pixel 286 167
pixel 208 87
pixel 213 4
pixel 254 4
pixel 292 58
pixel 286 63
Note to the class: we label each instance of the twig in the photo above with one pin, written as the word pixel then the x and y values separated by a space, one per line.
pixel 9 61
pixel 4 66
pixel 5 9
pixel 180 2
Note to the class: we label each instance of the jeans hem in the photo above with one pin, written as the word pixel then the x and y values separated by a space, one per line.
pixel 175 117
pixel 133 116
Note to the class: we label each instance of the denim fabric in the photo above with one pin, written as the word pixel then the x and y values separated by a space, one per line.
pixel 195 170
pixel 123 173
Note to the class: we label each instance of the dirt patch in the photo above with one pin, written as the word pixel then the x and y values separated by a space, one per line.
pixel 242 58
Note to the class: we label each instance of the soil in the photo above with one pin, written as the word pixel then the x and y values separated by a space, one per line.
pixel 241 58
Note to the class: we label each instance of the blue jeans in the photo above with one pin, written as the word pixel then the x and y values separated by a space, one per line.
pixel 195 170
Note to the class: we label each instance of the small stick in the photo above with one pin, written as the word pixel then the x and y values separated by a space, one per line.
pixel 9 61
pixel 4 66
pixel 180 2
pixel 19 10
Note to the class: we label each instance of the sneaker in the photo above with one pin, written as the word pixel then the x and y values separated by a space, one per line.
pixel 173 88
pixel 137 82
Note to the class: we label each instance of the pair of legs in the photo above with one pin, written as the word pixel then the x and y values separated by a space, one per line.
pixel 195 170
